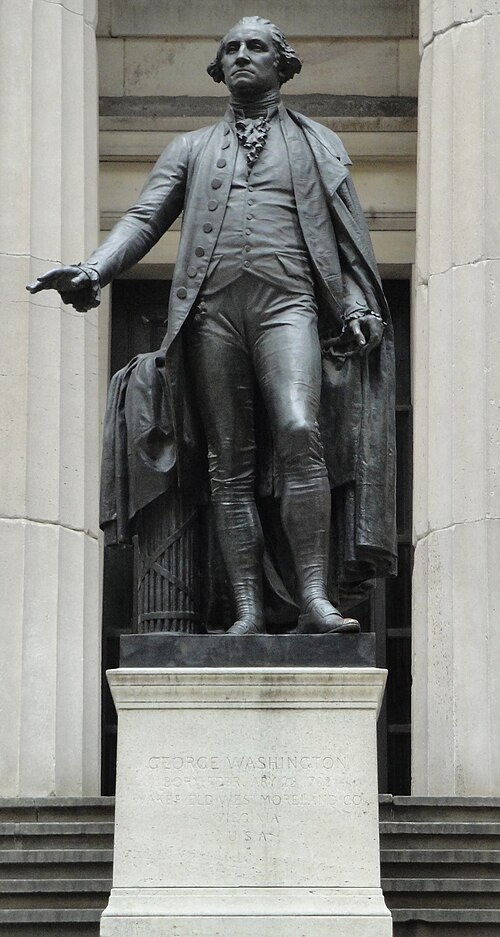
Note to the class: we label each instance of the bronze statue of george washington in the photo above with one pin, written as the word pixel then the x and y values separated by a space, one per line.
pixel 276 298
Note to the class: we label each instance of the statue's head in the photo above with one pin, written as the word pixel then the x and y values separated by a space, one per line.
pixel 253 57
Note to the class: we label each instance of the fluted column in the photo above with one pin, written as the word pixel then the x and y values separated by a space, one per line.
pixel 456 627
pixel 49 665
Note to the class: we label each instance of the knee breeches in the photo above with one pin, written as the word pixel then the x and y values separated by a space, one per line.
pixel 253 333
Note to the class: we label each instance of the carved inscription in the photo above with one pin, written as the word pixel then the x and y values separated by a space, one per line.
pixel 254 794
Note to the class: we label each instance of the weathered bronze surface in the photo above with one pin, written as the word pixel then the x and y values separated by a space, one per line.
pixel 277 369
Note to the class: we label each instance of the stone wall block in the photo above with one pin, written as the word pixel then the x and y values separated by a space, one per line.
pixel 425 31
pixel 11 658
pixel 441 156
pixel 370 67
pixel 420 329
pixel 38 677
pixel 91 12
pixel 72 207
pixel 214 17
pixel 15 51
pixel 68 713
pixel 91 143
pixel 457 395
pixel 90 781
pixel 72 377
pixel 455 669
pixel 14 273
pixel 433 755
pixel 440 402
pixel 408 65
pixel 43 417
pixel 469 136
pixel 158 66
pixel 421 648
pixel 50 573
pixel 491 181
pixel 438 16
pixel 111 54
pixel 46 132
pixel 493 647
pixel 103 27
pixel 492 384
pixel 94 388
pixel 443 15
pixel 424 152
pixel 467 440
pixel 78 610
pixel 45 687
pixel 477 726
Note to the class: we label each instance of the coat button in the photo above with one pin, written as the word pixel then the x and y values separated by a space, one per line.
pixel 182 292
pixel 221 163
pixel 212 205
pixel 216 183
pixel 226 145
pixel 207 227
pixel 191 271
pixel 199 252
pixel 226 131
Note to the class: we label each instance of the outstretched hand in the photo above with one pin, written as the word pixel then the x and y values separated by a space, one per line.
pixel 72 284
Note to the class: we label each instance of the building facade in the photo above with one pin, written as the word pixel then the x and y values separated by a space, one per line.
pixel 91 93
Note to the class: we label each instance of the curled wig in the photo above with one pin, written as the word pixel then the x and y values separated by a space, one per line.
pixel 289 63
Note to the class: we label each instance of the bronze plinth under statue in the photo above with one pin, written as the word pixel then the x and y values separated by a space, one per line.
pixel 275 380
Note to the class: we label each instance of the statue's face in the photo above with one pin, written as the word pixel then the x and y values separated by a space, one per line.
pixel 249 60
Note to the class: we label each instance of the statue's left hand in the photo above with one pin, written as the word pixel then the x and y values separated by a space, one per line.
pixel 366 331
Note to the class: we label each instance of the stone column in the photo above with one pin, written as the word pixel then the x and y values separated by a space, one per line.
pixel 456 688
pixel 49 670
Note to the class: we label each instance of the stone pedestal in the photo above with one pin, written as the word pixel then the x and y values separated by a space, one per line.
pixel 246 803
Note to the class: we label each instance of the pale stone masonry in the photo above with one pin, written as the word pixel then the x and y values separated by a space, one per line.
pixel 53 361
pixel 49 672
pixel 456 651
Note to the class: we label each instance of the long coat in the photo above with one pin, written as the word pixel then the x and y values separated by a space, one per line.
pixel 152 435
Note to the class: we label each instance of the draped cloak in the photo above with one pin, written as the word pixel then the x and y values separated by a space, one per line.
pixel 153 439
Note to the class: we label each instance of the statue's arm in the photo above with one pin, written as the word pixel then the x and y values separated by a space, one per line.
pixel 159 204
pixel 363 318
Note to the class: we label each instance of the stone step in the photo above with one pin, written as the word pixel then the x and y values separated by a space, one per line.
pixel 435 856
pixel 443 900
pixel 438 885
pixel 42 835
pixel 36 856
pixel 50 916
pixel 77 809
pixel 439 828
pixel 55 893
pixel 46 886
pixel 453 809
pixel 454 916
pixel 452 842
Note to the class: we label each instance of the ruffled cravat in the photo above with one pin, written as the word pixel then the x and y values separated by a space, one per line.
pixel 252 122
pixel 252 134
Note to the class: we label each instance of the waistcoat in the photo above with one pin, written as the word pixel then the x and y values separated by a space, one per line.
pixel 261 233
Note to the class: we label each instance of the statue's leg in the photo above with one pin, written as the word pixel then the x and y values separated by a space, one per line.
pixel 287 360
pixel 222 374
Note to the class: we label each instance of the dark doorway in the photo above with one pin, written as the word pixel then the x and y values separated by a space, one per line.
pixel 138 325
